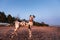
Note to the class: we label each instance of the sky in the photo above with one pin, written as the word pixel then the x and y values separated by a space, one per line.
pixel 47 11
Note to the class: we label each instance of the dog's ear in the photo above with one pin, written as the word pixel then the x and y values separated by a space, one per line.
pixel 30 15
pixel 33 16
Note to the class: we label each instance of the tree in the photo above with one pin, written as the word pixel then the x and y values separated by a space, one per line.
pixel 44 24
pixel 9 19
pixel 2 17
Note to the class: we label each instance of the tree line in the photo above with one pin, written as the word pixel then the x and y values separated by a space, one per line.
pixel 9 19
